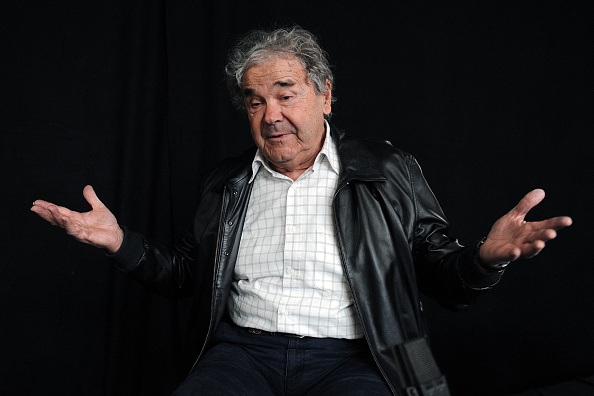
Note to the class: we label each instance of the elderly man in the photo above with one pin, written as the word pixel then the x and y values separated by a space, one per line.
pixel 307 254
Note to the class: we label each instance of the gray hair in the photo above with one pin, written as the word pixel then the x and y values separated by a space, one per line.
pixel 259 46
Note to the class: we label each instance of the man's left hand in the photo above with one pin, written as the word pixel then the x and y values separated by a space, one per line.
pixel 511 237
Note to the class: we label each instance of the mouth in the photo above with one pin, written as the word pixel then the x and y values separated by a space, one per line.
pixel 277 136
pixel 276 133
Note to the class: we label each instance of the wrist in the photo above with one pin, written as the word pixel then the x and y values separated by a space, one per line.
pixel 118 239
pixel 482 265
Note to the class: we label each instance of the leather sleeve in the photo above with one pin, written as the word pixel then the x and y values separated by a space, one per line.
pixel 167 271
pixel 446 269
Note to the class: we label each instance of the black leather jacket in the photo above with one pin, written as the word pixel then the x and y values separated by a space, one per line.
pixel 392 236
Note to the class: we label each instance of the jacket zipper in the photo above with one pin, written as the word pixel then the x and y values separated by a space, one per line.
pixel 346 273
pixel 214 280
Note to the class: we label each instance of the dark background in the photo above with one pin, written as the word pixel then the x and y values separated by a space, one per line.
pixel 491 97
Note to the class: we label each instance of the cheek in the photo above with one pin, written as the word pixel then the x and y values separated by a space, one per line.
pixel 257 138
pixel 255 124
pixel 252 118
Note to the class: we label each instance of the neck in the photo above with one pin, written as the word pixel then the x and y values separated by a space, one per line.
pixel 292 173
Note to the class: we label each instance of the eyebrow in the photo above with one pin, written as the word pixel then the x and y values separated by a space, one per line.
pixel 282 83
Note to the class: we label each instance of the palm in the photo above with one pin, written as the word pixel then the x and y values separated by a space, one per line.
pixel 97 227
pixel 511 237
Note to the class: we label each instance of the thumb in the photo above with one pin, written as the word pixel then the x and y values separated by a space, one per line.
pixel 529 201
pixel 91 197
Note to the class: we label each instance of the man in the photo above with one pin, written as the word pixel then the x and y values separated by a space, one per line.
pixel 306 256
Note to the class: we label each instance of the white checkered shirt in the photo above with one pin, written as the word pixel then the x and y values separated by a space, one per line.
pixel 288 274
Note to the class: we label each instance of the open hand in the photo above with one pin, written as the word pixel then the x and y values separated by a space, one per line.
pixel 98 227
pixel 511 237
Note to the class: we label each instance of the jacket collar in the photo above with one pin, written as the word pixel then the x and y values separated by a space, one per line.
pixel 357 162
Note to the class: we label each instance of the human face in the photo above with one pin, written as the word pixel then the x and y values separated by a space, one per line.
pixel 286 115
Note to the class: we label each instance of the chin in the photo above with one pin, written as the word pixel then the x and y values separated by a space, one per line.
pixel 279 156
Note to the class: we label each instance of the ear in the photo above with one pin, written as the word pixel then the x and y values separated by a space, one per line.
pixel 327 98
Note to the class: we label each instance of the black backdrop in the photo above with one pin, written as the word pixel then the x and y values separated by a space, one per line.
pixel 491 97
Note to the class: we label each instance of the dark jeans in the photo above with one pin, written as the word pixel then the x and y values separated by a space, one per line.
pixel 242 363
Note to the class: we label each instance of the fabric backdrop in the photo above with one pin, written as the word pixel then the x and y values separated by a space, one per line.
pixel 492 98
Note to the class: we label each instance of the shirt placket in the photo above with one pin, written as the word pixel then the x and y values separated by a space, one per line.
pixel 294 254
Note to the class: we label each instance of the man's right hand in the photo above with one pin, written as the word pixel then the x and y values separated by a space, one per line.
pixel 98 227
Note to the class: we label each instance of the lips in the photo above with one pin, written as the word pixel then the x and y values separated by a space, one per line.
pixel 277 131
pixel 278 135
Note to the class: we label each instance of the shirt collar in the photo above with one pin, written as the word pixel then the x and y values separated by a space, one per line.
pixel 327 152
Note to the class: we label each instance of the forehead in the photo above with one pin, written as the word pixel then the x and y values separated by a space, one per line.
pixel 276 71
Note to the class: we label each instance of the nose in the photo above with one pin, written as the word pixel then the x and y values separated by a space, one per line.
pixel 273 112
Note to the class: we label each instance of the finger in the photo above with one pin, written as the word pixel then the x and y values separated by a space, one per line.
pixel 542 235
pixel 59 217
pixel 41 204
pixel 529 201
pixel 555 223
pixel 44 214
pixel 50 212
pixel 532 249
pixel 91 197
pixel 508 252
pixel 561 222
